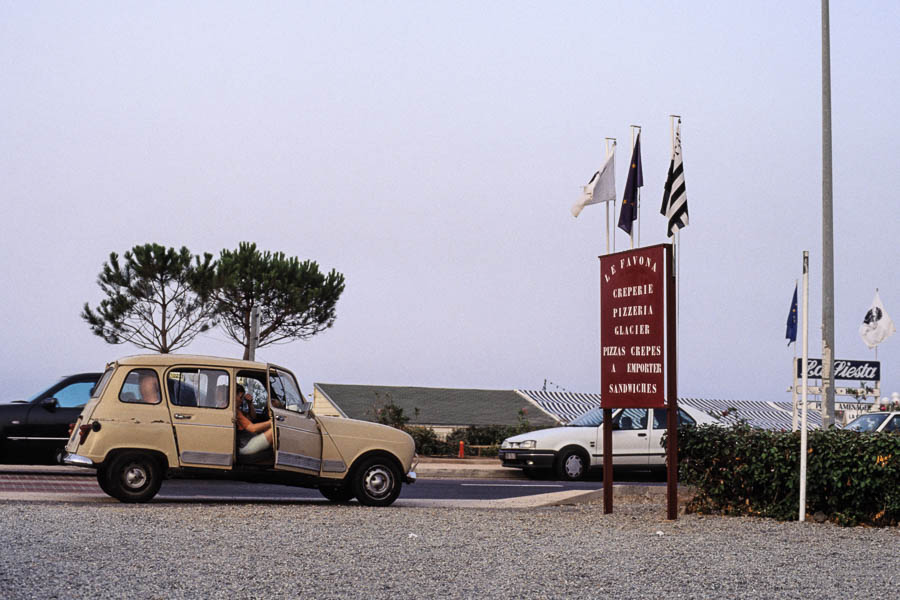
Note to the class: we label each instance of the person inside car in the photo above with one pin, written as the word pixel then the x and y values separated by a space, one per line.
pixel 149 387
pixel 245 403
pixel 252 437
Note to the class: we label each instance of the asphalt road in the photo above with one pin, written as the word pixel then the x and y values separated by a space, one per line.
pixel 14 484
pixel 433 489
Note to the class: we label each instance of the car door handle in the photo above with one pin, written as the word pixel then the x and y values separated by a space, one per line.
pixel 279 418
pixel 642 435
pixel 181 416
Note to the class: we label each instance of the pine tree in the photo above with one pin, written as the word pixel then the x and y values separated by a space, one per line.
pixel 295 300
pixel 159 299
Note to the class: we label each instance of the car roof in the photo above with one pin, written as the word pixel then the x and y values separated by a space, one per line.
pixel 167 360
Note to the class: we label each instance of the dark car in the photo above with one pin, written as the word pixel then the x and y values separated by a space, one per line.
pixel 36 430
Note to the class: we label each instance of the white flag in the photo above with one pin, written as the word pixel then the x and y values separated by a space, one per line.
pixel 601 187
pixel 877 325
pixel 674 204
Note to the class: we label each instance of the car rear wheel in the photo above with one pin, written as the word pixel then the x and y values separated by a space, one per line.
pixel 132 477
pixel 103 480
pixel 571 465
pixel 376 482
pixel 337 493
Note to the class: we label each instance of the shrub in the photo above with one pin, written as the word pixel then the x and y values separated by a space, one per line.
pixel 851 477
pixel 427 442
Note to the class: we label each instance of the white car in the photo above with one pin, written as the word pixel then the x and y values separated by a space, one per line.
pixel 885 421
pixel 572 450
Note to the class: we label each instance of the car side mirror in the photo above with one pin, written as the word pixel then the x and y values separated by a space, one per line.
pixel 50 404
pixel 306 407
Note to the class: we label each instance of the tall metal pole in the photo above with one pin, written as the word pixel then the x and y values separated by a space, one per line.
pixel 827 232
pixel 805 386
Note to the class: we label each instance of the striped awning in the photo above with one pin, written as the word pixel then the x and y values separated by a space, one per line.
pixel 765 415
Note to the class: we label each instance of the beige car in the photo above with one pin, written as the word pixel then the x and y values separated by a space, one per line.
pixel 163 415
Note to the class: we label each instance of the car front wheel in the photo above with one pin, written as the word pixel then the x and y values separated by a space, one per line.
pixel 571 465
pixel 337 493
pixel 132 477
pixel 376 482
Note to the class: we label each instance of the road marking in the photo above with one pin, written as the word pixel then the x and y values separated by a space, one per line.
pixel 511 485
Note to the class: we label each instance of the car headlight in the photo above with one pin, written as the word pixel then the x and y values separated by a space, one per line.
pixel 527 444
pixel 505 444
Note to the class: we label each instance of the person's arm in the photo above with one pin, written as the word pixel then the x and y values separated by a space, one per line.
pixel 252 406
pixel 245 424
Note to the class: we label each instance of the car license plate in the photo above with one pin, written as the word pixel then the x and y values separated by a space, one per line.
pixel 510 456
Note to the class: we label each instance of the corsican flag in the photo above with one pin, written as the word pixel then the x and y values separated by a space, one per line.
pixel 635 180
pixel 601 187
pixel 791 333
pixel 877 325
pixel 674 204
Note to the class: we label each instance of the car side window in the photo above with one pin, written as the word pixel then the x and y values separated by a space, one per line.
pixel 203 388
pixel 659 418
pixel 893 425
pixel 633 419
pixel 285 393
pixel 141 386
pixel 685 419
pixel 74 395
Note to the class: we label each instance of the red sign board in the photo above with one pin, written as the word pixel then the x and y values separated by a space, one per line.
pixel 634 300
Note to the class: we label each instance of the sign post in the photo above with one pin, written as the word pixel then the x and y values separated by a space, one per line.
pixel 637 348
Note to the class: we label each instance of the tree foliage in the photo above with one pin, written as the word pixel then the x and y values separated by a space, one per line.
pixel 295 300
pixel 157 298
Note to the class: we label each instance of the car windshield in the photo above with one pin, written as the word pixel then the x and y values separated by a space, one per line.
pixel 592 418
pixel 43 391
pixel 869 422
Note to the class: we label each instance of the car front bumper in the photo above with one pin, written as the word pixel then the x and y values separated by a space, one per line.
pixel 528 459
pixel 78 461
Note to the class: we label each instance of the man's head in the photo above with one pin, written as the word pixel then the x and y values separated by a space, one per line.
pixel 149 387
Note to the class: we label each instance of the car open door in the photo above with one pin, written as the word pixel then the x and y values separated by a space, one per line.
pixel 298 441
pixel 202 416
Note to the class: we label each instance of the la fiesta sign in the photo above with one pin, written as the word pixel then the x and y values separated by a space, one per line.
pixel 636 307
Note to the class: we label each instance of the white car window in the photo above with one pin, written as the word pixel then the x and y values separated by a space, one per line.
pixel 893 426
pixel 632 419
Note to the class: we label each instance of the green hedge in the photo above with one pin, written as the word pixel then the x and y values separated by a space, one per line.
pixel 851 477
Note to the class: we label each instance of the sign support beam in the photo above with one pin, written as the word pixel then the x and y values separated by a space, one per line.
pixel 607 462
pixel 672 397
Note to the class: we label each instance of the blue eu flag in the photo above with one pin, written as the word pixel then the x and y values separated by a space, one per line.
pixel 791 333
pixel 635 180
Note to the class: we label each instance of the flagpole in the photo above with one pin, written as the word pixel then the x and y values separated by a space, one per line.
pixel 607 203
pixel 677 239
pixel 637 203
pixel 805 386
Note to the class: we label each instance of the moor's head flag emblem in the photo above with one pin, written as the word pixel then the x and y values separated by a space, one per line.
pixel 877 325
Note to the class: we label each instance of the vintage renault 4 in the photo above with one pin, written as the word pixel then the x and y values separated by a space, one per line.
pixel 169 415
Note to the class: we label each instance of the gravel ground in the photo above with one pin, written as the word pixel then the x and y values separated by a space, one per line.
pixel 313 551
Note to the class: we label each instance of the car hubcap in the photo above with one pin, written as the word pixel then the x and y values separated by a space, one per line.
pixel 378 482
pixel 574 466
pixel 135 477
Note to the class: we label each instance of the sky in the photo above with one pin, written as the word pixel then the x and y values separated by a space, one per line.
pixel 431 152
